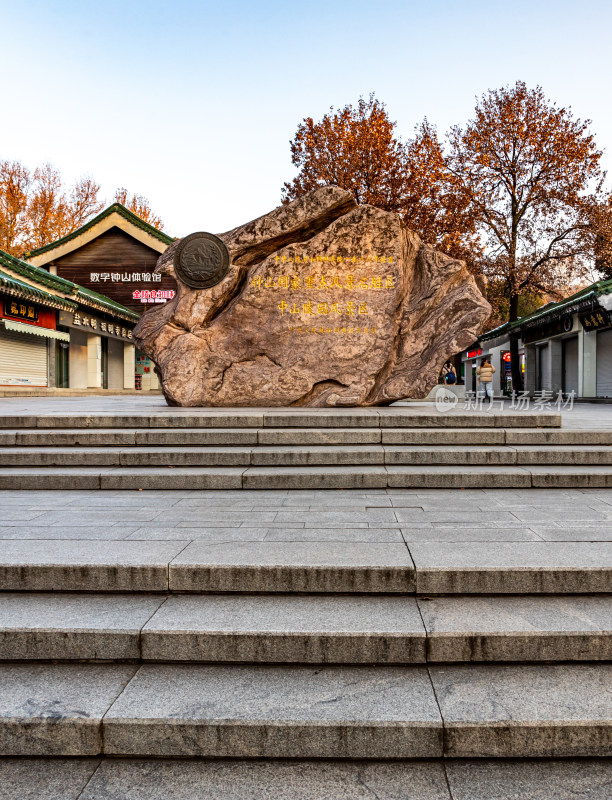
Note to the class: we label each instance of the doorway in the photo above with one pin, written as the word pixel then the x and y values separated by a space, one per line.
pixel 62 362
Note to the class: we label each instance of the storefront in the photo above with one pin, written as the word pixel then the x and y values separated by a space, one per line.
pixel 603 372
pixel 566 346
pixel 570 365
pixel 101 352
pixel 146 378
pixel 28 331
pixel 497 350
pixel 470 361
pixel 115 253
pixel 56 334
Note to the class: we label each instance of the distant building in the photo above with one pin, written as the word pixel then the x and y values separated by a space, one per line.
pixel 55 333
pixel 564 346
pixel 114 253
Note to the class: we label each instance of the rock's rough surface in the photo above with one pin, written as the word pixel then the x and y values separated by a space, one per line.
pixel 326 303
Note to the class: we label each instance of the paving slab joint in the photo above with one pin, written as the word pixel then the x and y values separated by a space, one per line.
pixel 433 689
pixel 102 728
pixel 93 773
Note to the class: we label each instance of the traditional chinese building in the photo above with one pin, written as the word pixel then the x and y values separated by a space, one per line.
pixel 114 253
pixel 55 333
pixel 564 347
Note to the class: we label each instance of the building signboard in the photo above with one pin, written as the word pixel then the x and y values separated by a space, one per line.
pixel 595 320
pixel 132 289
pixel 129 280
pixel 92 324
pixel 30 313
pixel 547 329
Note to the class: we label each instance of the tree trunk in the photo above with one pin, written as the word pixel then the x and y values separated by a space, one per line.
pixel 515 364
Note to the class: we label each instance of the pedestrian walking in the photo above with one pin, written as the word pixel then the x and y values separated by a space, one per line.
pixel 484 373
pixel 449 374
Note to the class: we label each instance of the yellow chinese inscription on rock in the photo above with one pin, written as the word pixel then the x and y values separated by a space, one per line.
pixel 311 282
pixel 311 308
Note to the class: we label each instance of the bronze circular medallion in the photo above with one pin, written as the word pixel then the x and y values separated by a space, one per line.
pixel 201 260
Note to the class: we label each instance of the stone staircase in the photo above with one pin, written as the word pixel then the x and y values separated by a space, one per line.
pixel 294 449
pixel 133 669
pixel 240 650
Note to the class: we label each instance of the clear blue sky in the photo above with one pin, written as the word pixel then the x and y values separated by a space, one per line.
pixel 193 104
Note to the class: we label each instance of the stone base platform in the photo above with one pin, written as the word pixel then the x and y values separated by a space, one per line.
pixel 397 447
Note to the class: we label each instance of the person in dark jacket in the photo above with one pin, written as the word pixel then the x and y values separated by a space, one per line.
pixel 449 374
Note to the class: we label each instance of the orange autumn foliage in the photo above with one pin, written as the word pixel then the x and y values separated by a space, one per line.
pixel 356 148
pixel 138 205
pixel 516 193
pixel 36 208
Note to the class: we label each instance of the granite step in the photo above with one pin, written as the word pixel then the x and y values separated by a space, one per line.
pixel 514 568
pixel 220 711
pixel 297 456
pixel 196 567
pixel 356 476
pixel 154 566
pixel 395 417
pixel 121 456
pixel 304 629
pixel 491 477
pixel 110 778
pixel 542 436
pixel 94 437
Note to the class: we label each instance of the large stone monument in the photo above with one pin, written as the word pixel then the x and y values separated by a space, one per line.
pixel 321 302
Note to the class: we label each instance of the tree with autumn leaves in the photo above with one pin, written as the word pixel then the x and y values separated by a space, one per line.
pixel 531 174
pixel 138 205
pixel 517 192
pixel 357 149
pixel 36 208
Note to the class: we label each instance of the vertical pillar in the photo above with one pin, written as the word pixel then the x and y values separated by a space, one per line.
pixel 51 363
pixel 555 364
pixel 129 365
pixel 530 368
pixel 497 363
pixel 94 361
pixel 587 364
pixel 581 363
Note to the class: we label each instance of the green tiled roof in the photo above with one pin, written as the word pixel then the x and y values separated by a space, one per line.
pixel 89 297
pixel 116 208
pixel 595 290
pixel 78 294
pixel 8 282
pixel 35 273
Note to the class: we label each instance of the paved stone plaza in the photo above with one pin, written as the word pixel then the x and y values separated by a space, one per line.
pixel 581 416
pixel 465 634
pixel 375 516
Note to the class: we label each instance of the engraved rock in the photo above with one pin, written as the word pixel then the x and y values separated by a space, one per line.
pixel 323 303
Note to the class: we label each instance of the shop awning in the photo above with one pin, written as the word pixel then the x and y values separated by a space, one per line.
pixel 22 327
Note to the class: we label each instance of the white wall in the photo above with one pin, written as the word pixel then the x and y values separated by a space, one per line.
pixel 77 360
pixel 94 361
pixel 115 364
pixel 129 365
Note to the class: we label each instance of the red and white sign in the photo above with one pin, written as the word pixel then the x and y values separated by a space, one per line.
pixel 153 295
pixel 30 313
